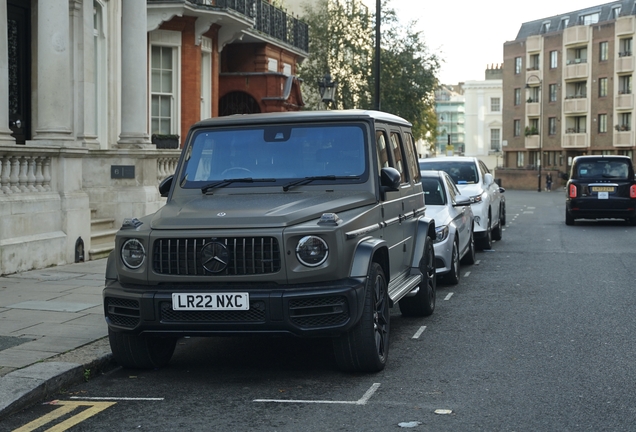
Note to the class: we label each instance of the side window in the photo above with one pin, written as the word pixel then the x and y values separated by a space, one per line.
pixel 411 158
pixel 383 155
pixel 398 156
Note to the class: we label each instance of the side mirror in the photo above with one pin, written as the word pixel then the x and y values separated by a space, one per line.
pixel 461 200
pixel 165 185
pixel 501 190
pixel 390 179
pixel 488 179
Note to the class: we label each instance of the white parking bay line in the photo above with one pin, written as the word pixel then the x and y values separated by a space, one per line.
pixel 117 398
pixel 362 401
pixel 467 274
pixel 419 332
pixel 448 296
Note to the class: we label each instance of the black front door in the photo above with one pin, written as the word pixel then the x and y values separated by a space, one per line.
pixel 19 35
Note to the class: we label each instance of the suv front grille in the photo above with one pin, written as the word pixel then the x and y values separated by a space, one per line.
pixel 247 255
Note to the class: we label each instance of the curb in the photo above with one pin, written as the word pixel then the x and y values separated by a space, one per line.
pixel 24 387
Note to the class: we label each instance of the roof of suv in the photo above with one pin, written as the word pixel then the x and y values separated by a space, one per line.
pixel 300 116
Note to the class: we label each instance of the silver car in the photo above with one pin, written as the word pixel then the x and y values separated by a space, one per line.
pixel 474 180
pixel 454 224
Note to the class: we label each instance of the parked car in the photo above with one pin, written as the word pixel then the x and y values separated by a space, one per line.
pixel 454 241
pixel 474 180
pixel 306 223
pixel 601 187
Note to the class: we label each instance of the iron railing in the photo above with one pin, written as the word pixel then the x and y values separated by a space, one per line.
pixel 269 20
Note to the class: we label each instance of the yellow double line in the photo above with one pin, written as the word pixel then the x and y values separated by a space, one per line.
pixel 66 407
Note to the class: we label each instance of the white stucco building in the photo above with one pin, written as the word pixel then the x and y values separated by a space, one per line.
pixel 483 126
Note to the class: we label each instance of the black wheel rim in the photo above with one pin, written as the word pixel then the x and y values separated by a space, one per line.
pixel 380 316
pixel 430 276
pixel 455 259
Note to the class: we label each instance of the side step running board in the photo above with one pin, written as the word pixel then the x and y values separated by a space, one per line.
pixel 396 292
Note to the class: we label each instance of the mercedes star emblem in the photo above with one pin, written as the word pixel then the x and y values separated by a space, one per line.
pixel 215 257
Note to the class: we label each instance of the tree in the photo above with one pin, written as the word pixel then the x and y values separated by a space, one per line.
pixel 408 74
pixel 341 41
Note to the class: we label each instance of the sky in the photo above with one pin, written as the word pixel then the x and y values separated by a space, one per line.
pixel 468 35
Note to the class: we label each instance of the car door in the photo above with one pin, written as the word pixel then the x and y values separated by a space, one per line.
pixel 493 193
pixel 461 216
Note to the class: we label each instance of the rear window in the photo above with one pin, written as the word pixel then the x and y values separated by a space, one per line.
pixel 603 168
pixel 460 172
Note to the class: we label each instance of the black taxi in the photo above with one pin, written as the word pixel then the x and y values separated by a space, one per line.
pixel 601 187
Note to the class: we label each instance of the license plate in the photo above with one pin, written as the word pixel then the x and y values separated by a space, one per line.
pixel 603 195
pixel 602 188
pixel 210 301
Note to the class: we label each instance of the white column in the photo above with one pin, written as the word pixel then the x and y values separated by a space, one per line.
pixel 5 132
pixel 54 104
pixel 134 76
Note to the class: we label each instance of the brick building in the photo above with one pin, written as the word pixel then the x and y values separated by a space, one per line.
pixel 567 90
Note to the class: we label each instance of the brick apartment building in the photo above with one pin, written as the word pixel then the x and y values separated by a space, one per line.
pixel 567 91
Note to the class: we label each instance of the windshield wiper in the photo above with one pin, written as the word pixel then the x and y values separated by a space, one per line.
pixel 313 178
pixel 222 183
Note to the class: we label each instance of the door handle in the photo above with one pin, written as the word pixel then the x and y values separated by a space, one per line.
pixel 17 124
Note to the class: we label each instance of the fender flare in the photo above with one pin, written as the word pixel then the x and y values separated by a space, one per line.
pixel 363 256
pixel 111 267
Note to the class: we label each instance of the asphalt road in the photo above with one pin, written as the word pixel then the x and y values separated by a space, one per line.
pixel 536 337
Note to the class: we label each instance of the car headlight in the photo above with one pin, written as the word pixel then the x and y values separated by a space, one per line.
pixel 133 253
pixel 441 233
pixel 312 251
pixel 478 198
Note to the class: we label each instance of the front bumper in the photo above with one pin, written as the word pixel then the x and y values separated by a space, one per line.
pixel 443 255
pixel 318 310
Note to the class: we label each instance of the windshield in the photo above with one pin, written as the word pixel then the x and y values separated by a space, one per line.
pixel 281 152
pixel 603 169
pixel 460 172
pixel 433 192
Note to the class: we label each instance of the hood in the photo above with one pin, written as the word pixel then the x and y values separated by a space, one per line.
pixel 255 210
pixel 470 190
pixel 439 213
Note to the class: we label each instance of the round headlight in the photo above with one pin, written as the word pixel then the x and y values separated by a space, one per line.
pixel 312 251
pixel 133 253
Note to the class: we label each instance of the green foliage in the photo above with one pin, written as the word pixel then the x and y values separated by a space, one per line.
pixel 341 41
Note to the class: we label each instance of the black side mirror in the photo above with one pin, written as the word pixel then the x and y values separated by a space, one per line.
pixel 390 179
pixel 165 185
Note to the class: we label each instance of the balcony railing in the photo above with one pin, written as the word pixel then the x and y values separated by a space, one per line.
pixel 270 20
pixel 625 54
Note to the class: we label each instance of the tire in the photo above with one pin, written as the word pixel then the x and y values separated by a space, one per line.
pixel 497 233
pixel 486 242
pixel 452 277
pixel 631 221
pixel 141 352
pixel 569 219
pixel 423 303
pixel 502 214
pixel 365 348
pixel 470 257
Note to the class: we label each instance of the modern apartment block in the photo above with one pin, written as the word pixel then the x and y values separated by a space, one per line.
pixel 449 107
pixel 567 88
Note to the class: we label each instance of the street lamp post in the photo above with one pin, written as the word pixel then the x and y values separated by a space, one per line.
pixel 528 86
pixel 327 89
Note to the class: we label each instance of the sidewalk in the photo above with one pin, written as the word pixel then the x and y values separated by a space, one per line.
pixel 52 331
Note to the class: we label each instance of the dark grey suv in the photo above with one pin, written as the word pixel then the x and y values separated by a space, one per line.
pixel 307 224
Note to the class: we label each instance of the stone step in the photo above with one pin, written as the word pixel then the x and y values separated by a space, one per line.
pixel 102 224
pixel 102 251
pixel 101 237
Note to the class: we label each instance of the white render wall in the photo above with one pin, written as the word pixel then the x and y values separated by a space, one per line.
pixel 479 119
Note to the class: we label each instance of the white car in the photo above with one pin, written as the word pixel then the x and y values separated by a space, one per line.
pixel 474 180
pixel 453 216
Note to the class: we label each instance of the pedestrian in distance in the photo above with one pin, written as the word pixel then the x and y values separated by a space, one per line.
pixel 548 182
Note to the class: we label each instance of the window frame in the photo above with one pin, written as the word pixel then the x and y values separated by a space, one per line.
pixel 171 40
